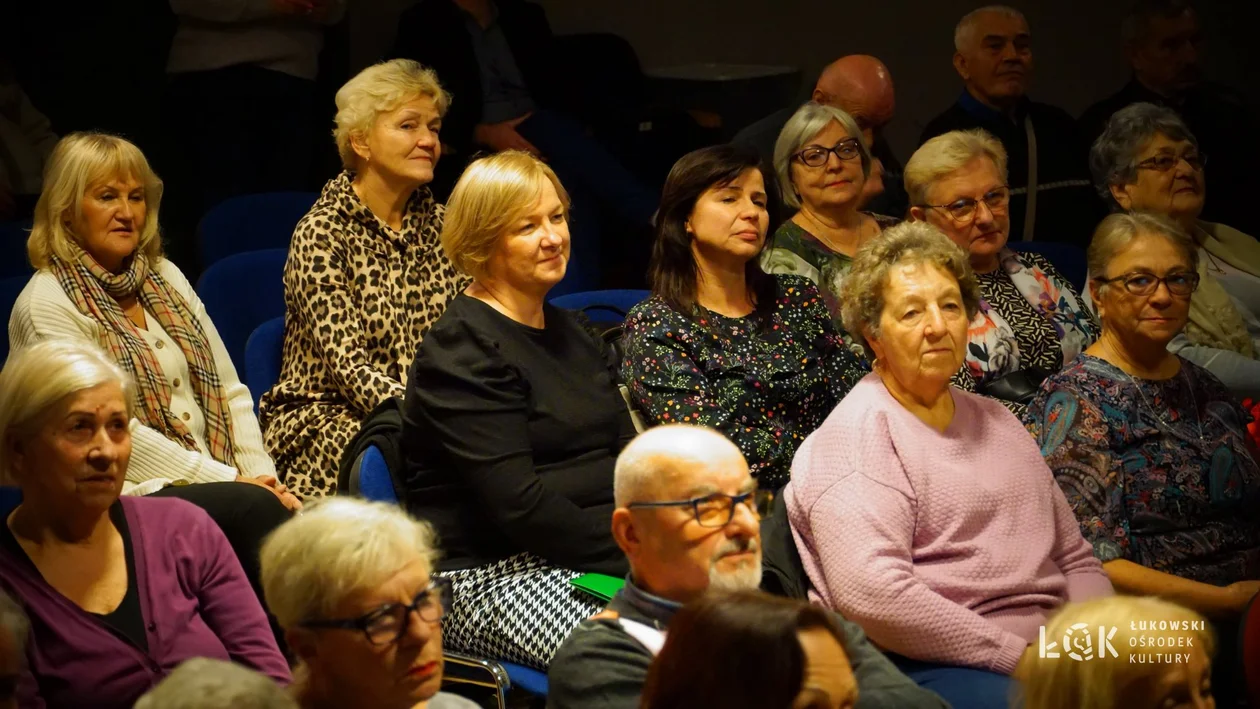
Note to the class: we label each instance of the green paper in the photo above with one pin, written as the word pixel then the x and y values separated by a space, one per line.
pixel 601 586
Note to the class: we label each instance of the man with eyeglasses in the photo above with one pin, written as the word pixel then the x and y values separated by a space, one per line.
pixel 688 518
pixel 1051 196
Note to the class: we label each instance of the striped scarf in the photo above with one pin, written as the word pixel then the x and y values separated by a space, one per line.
pixel 95 292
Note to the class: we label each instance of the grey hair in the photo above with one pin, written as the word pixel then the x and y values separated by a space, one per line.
pixel 203 683
pixel 967 25
pixel 808 121
pixel 946 154
pixel 862 294
pixel 1116 231
pixel 653 452
pixel 14 621
pixel 1113 157
pixel 1135 25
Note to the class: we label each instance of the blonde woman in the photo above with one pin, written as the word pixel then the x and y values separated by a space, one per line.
pixel 351 583
pixel 365 277
pixel 513 421
pixel 1142 674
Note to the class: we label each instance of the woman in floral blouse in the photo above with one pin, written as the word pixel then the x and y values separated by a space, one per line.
pixel 1150 449
pixel 720 343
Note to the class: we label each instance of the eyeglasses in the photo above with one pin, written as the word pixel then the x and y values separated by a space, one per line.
pixel 1164 163
pixel 964 211
pixel 1146 284
pixel 817 156
pixel 717 510
pixel 385 625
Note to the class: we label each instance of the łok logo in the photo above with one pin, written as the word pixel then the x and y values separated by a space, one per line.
pixel 1078 643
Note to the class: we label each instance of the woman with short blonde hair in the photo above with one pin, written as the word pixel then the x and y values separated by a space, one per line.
pixel 366 276
pixel 513 421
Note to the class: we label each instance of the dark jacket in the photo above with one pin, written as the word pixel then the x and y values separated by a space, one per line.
pixel 383 429
pixel 600 666
pixel 783 573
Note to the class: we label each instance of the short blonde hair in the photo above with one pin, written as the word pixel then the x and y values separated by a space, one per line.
pixel 862 294
pixel 77 162
pixel 337 546
pixel 1105 682
pixel 1117 230
pixel 37 377
pixel 492 194
pixel 808 121
pixel 944 154
pixel 381 88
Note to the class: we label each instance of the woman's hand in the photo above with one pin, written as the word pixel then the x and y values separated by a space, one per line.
pixel 288 499
pixel 503 136
pixel 1241 593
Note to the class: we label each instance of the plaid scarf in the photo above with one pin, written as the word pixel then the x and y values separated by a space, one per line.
pixel 95 292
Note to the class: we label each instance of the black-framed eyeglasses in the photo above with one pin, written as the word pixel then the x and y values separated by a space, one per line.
pixel 717 510
pixel 964 210
pixel 817 156
pixel 1145 283
pixel 1164 163
pixel 385 625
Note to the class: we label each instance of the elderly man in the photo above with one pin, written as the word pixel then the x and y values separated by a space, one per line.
pixel 202 683
pixel 1051 197
pixel 1162 41
pixel 14 627
pixel 686 520
pixel 861 86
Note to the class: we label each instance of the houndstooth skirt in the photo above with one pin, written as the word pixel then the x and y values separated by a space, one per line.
pixel 518 609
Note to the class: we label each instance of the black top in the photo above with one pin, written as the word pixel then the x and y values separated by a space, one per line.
pixel 1068 207
pixel 126 619
pixel 510 434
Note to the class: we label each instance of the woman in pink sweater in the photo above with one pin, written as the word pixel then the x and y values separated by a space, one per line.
pixel 924 513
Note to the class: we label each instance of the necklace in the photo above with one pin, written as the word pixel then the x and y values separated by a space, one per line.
pixel 1194 403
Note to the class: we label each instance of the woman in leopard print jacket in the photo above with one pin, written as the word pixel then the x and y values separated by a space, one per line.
pixel 366 275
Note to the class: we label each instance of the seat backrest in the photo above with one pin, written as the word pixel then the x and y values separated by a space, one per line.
pixel 373 478
pixel 1069 259
pixel 602 306
pixel 240 293
pixel 13 258
pixel 263 353
pixel 251 222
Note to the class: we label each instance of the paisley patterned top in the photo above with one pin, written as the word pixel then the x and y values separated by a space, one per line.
pixel 766 380
pixel 1158 472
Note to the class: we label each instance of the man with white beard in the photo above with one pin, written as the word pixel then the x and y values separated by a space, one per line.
pixel 687 519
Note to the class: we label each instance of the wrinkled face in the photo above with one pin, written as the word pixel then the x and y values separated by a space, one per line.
pixel 1169 180
pixel 1167 59
pixel 729 221
pixel 1144 321
pixel 110 220
pixel 534 254
pixel 997 62
pixel 829 681
pixel 77 458
pixel 836 182
pixel 394 675
pixel 923 327
pixel 984 235
pixel 403 145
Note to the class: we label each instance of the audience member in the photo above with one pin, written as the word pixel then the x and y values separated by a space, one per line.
pixel 721 343
pixel 1030 321
pixel 1050 192
pixel 201 683
pixel 923 513
pixel 351 583
pixel 791 655
pixel 821 164
pixel 1163 43
pixel 1148 160
pixel 512 421
pixel 119 590
pixel 862 87
pixel 1152 451
pixel 688 520
pixel 26 141
pixel 14 629
pixel 366 276
pixel 1134 677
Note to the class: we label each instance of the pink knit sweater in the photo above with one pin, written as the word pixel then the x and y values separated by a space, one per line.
pixel 945 547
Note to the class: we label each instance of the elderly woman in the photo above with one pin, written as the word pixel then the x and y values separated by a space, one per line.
pixel 924 513
pixel 822 164
pixel 513 421
pixel 1030 320
pixel 1152 450
pixel 1147 160
pixel 720 343
pixel 365 277
pixel 119 590
pixel 351 583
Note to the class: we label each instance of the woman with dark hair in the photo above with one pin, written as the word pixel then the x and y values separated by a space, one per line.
pixel 720 343
pixel 792 656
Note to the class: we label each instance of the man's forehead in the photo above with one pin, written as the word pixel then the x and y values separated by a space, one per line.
pixel 995 24
pixel 689 477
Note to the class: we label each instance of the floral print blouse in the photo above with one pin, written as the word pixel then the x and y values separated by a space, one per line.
pixel 1158 472
pixel 766 380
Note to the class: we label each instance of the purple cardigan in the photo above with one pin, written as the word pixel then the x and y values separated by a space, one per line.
pixel 194 597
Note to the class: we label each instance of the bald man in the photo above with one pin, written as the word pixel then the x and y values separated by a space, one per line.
pixel 861 86
pixel 686 519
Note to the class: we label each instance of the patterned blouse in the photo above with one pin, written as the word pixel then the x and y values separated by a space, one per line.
pixel 793 250
pixel 1158 472
pixel 766 380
